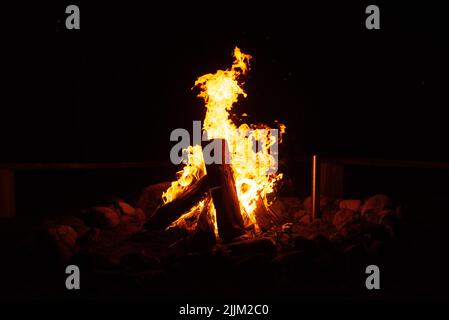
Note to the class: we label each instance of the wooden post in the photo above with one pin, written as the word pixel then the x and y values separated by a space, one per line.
pixel 315 187
pixel 7 193
pixel 332 175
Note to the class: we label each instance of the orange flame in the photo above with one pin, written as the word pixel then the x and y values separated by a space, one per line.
pixel 220 91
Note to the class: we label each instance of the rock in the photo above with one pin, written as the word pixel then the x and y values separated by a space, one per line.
pixel 388 216
pixel 342 217
pixel 375 216
pixel 140 215
pixel 306 220
pixel 81 230
pixel 377 203
pixel 298 215
pixel 76 223
pixel 328 213
pixel 137 218
pixel 371 216
pixel 324 201
pixel 65 235
pixel 102 217
pixel 60 242
pixel 353 205
pixel 69 221
pixel 353 228
pixel 125 208
pixel 151 197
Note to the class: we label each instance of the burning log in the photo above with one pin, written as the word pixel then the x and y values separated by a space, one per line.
pixel 264 217
pixel 224 195
pixel 170 212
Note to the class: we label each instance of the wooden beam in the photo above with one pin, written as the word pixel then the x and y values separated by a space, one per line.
pixel 7 191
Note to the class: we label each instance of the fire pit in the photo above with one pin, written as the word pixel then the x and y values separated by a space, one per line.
pixel 224 227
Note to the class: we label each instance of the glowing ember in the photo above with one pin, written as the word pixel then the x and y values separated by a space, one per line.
pixel 251 168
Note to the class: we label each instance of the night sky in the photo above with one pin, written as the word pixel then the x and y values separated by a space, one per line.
pixel 114 90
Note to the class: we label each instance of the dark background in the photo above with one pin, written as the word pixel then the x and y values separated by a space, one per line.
pixel 114 90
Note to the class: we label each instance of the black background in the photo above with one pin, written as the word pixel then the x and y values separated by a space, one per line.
pixel 114 90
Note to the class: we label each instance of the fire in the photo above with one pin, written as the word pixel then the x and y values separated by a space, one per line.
pixel 254 183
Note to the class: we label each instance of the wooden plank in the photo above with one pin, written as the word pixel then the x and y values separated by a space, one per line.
pixel 7 191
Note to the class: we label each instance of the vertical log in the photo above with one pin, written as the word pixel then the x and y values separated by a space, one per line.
pixel 224 195
pixel 7 193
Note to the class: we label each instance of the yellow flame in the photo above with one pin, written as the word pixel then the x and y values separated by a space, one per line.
pixel 220 91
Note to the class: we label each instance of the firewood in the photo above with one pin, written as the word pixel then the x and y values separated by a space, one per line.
pixel 264 217
pixel 224 195
pixel 203 238
pixel 171 211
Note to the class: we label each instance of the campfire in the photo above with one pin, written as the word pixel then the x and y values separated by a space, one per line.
pixel 225 214
pixel 232 194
